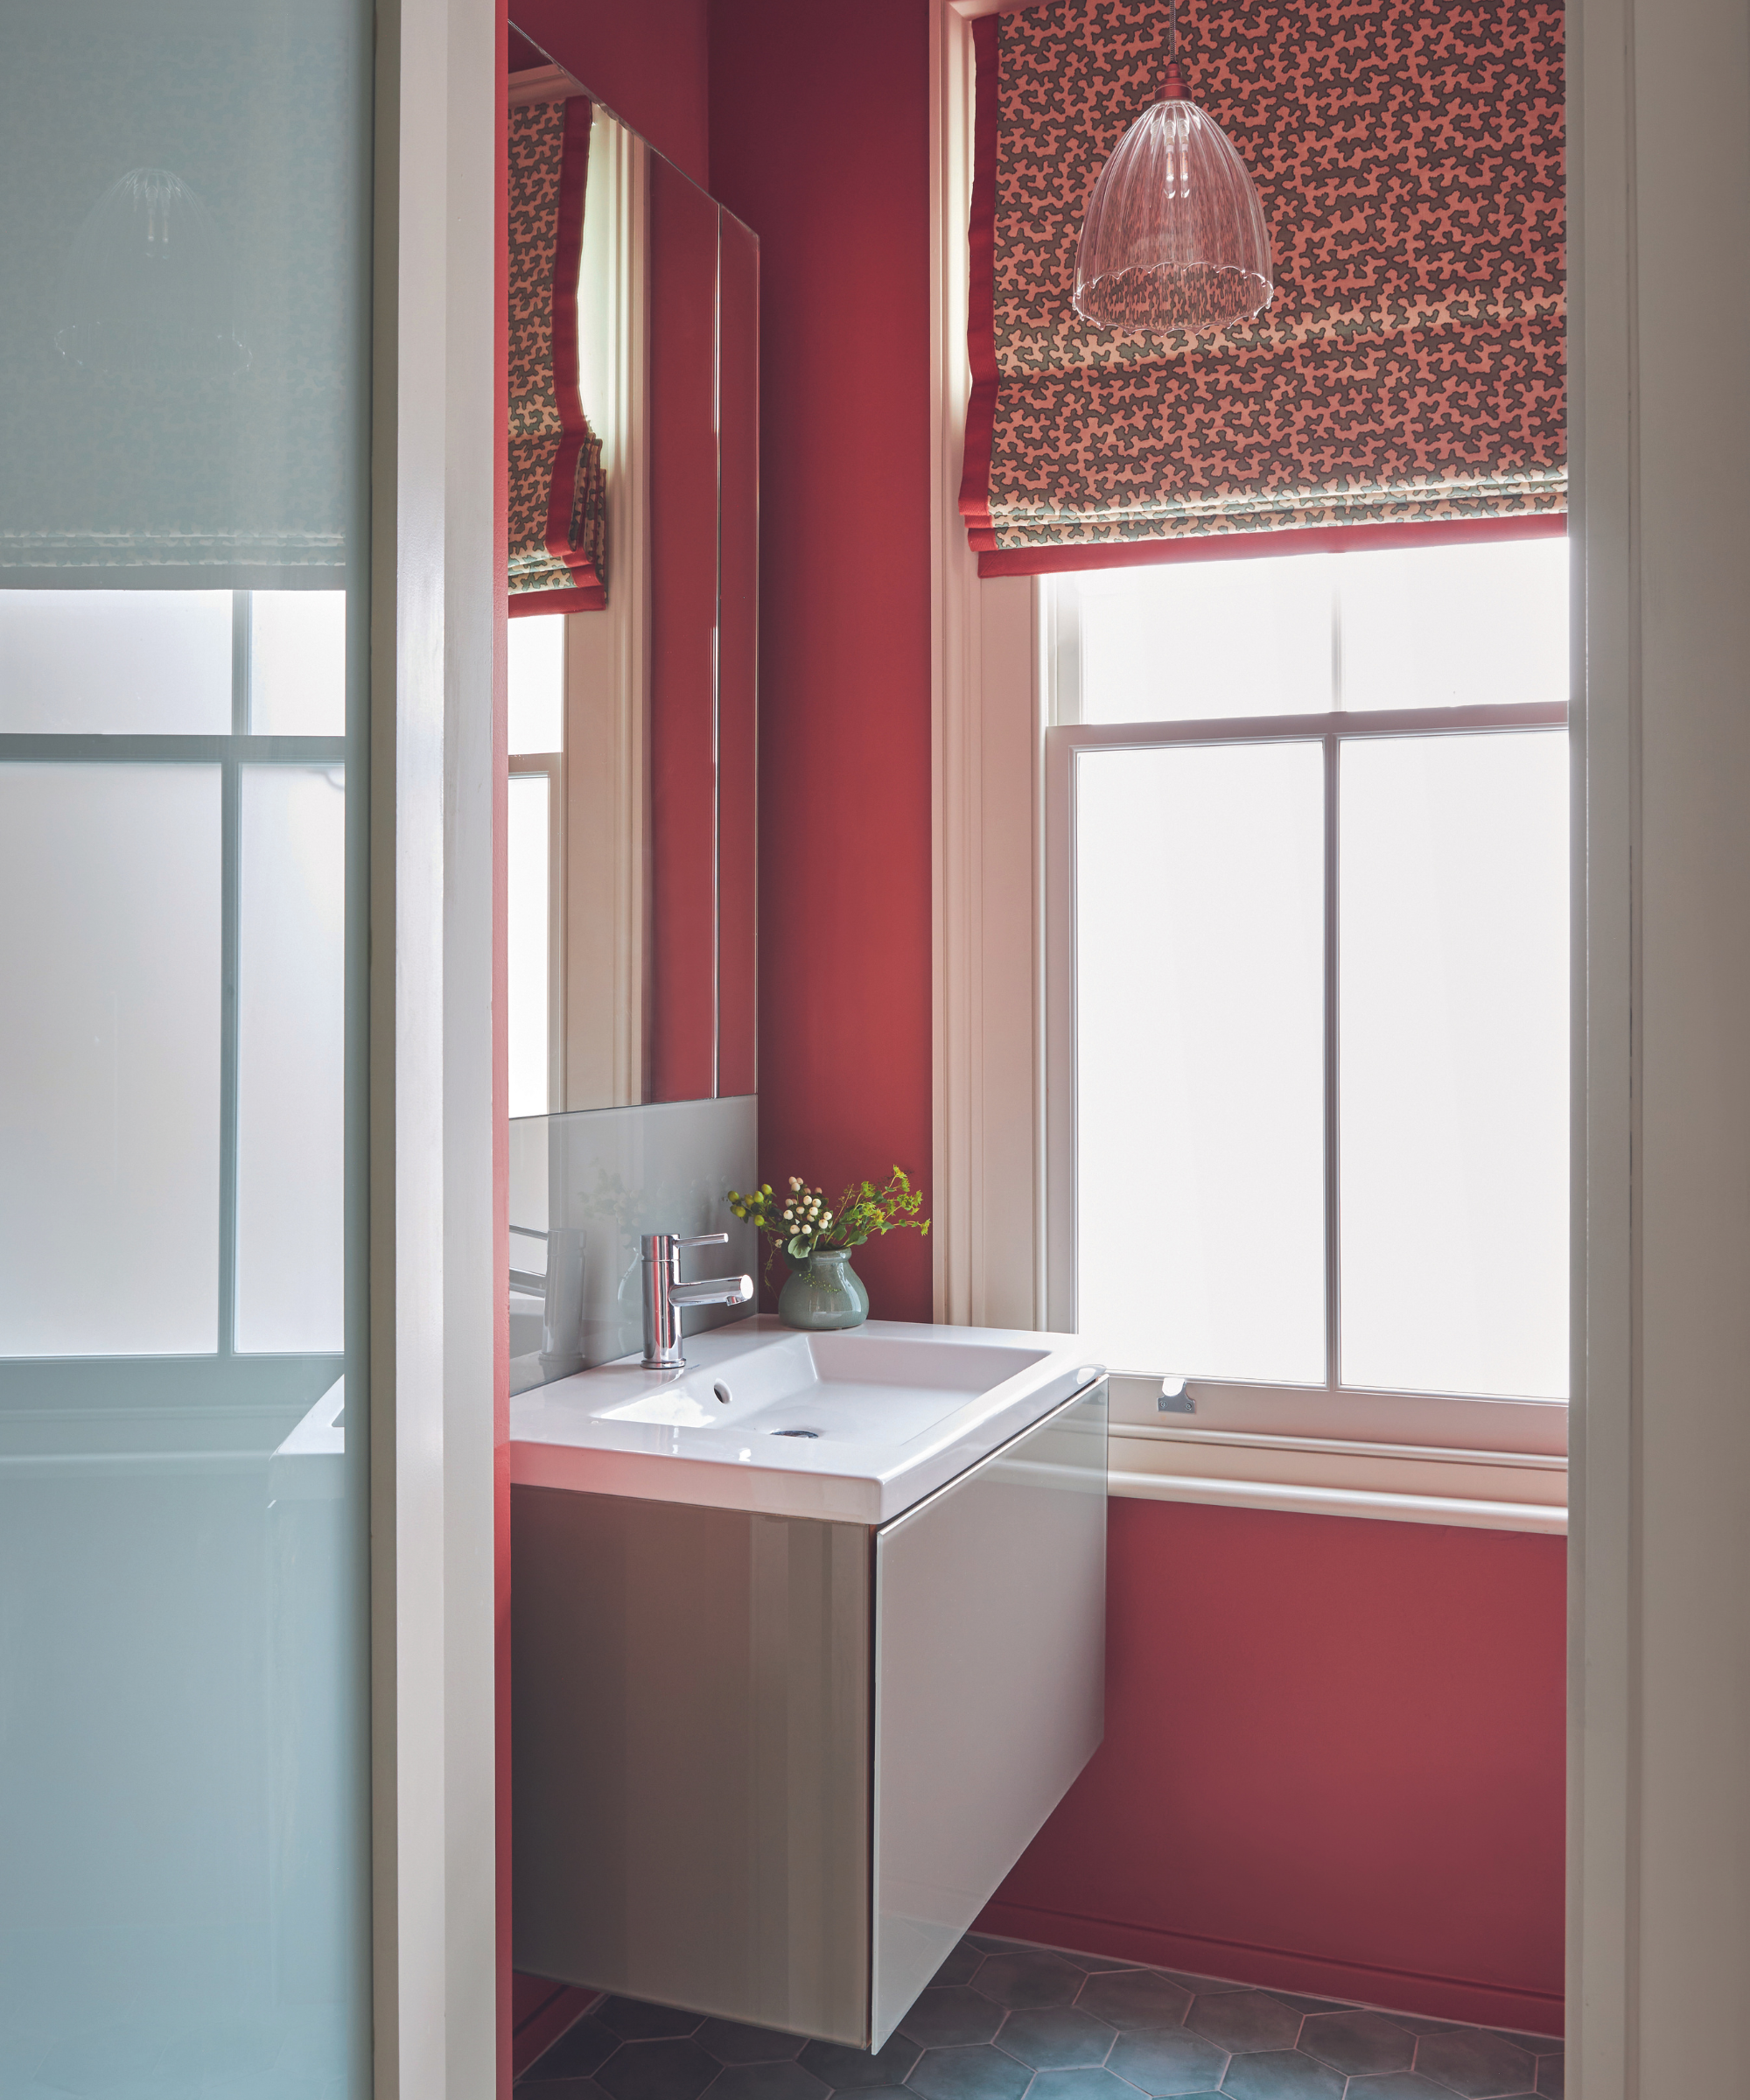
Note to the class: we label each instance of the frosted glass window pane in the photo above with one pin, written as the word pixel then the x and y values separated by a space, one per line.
pixel 1450 626
pixel 537 682
pixel 1454 1064
pixel 527 907
pixel 115 662
pixel 291 1059
pixel 110 930
pixel 1191 640
pixel 298 663
pixel 1199 1059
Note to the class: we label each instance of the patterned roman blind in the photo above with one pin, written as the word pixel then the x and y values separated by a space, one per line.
pixel 1409 155
pixel 558 492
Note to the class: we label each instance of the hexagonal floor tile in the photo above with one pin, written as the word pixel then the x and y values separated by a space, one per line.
pixel 1475 2063
pixel 561 2089
pixel 730 2042
pixel 975 2073
pixel 1281 2075
pixel 951 2017
pixel 633 2020
pixel 579 2052
pixel 1244 2020
pixel 847 2070
pixel 1079 2085
pixel 1025 1980
pixel 960 1965
pixel 658 2070
pixel 1356 2043
pixel 1135 1998
pixel 1549 2076
pixel 1398 2085
pixel 1058 2038
pixel 767 2081
pixel 1167 2059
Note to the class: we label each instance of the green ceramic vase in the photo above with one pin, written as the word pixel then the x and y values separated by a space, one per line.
pixel 823 1292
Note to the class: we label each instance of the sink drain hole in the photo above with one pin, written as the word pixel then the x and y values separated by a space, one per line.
pixel 722 1392
pixel 795 1433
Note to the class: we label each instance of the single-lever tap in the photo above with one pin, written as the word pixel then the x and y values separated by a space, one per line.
pixel 664 1294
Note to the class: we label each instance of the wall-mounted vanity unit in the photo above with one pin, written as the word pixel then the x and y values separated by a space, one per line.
pixel 809 1641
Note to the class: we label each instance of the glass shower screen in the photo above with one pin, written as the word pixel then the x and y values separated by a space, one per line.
pixel 184 1888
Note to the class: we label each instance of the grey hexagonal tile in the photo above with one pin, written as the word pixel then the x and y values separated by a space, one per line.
pixel 1056 2038
pixel 1398 2085
pixel 658 2070
pixel 1312 2004
pixel 633 2020
pixel 730 2042
pixel 960 1965
pixel 1475 2063
pixel 1201 1986
pixel 1020 1980
pixel 1244 2020
pixel 1549 2076
pixel 951 2017
pixel 1167 2059
pixel 986 1945
pixel 1135 1998
pixel 1356 2043
pixel 560 2089
pixel 1418 2024
pixel 1083 2084
pixel 784 2081
pixel 855 2070
pixel 1281 2075
pixel 980 2073
pixel 579 2052
pixel 1097 1965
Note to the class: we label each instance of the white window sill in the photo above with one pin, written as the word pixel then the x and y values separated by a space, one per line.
pixel 1178 1460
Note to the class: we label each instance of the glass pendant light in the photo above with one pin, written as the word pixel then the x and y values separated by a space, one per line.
pixel 1174 237
pixel 147 287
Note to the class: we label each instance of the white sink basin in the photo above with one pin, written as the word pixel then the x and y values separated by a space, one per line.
pixel 858 1426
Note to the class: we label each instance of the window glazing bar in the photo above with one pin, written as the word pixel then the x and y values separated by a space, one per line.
pixel 1342 724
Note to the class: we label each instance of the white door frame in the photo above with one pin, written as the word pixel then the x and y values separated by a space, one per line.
pixel 1659 1685
pixel 433 1276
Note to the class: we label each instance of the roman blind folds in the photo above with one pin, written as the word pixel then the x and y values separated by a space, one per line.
pixel 1409 155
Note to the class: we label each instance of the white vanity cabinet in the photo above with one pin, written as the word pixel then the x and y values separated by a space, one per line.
pixel 771 1765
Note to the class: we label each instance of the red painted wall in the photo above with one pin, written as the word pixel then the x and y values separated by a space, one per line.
pixel 1333 1762
pixel 645 59
pixel 820 142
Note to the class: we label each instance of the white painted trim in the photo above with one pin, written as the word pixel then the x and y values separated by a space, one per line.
pixel 436 662
pixel 988 1195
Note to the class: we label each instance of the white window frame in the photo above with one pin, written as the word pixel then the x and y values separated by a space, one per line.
pixel 1332 1409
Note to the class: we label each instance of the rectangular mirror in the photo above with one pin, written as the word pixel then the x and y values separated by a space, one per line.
pixel 634 567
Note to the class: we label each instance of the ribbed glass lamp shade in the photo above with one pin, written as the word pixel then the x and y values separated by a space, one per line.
pixel 147 286
pixel 1175 236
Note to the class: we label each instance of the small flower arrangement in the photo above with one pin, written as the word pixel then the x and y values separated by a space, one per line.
pixel 801 1223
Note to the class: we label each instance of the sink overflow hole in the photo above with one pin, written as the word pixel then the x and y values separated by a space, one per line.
pixel 722 1392
pixel 795 1433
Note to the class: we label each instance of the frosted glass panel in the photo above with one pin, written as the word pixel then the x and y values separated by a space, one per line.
pixel 1191 640
pixel 537 682
pixel 1449 626
pixel 298 663
pixel 291 1059
pixel 1454 1064
pixel 1199 1059
pixel 109 1059
pixel 530 891
pixel 115 662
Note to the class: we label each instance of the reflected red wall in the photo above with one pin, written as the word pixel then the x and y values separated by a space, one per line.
pixel 820 141
pixel 1333 1762
pixel 646 59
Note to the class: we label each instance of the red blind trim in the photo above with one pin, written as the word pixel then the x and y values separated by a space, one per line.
pixel 574 168
pixel 981 313
pixel 587 598
pixel 1241 546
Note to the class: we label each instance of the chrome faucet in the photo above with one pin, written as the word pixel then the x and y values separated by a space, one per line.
pixel 665 1294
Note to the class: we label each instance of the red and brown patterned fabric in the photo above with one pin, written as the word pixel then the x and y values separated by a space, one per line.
pixel 558 492
pixel 1409 156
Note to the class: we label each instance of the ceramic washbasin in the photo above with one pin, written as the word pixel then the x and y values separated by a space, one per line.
pixel 859 1425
